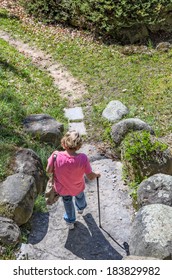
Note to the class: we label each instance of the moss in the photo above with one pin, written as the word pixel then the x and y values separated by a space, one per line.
pixel 138 150
pixel 6 210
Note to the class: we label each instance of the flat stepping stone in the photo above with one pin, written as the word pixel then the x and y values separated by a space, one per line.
pixel 74 114
pixel 78 126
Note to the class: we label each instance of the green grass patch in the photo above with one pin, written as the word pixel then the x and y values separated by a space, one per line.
pixel 40 204
pixel 140 150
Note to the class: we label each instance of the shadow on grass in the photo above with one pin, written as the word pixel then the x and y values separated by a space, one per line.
pixel 5 15
pixel 5 65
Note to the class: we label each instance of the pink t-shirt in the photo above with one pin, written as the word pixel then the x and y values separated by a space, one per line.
pixel 69 172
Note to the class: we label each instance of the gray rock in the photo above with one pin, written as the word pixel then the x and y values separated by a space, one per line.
pixel 151 233
pixel 155 189
pixel 17 196
pixel 162 163
pixel 120 129
pixel 27 161
pixel 115 110
pixel 163 46
pixel 9 232
pixel 44 127
pixel 157 162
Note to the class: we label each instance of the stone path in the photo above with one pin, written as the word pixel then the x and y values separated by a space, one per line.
pixel 50 238
pixel 75 117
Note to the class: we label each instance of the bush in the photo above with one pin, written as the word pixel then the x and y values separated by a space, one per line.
pixel 140 151
pixel 104 17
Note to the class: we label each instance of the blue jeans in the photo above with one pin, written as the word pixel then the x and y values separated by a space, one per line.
pixel 80 203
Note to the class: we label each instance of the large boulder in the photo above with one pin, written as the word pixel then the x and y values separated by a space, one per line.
pixel 115 111
pixel 159 162
pixel 143 155
pixel 151 233
pixel 44 127
pixel 120 129
pixel 27 161
pixel 9 232
pixel 155 189
pixel 17 197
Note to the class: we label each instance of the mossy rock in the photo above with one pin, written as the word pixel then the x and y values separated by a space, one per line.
pixel 144 155
pixel 6 210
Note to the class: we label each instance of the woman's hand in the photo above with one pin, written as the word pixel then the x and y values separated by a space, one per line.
pixel 93 175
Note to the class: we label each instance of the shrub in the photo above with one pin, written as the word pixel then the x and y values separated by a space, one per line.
pixel 105 17
pixel 139 151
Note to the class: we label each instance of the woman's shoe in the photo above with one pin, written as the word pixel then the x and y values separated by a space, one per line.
pixel 70 225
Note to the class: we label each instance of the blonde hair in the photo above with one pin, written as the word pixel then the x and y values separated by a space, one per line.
pixel 71 140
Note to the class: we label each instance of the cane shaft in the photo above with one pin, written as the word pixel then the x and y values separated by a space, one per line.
pixel 98 196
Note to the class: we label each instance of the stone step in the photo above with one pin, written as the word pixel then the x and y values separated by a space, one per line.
pixel 75 117
pixel 78 126
pixel 74 114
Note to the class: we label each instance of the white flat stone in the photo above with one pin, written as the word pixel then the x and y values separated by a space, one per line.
pixel 78 126
pixel 74 114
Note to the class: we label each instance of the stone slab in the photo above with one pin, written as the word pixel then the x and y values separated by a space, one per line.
pixel 78 126
pixel 50 238
pixel 74 114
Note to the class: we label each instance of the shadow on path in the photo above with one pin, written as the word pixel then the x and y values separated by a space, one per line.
pixel 90 243
pixel 39 223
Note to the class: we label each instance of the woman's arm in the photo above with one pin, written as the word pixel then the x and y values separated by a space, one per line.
pixel 49 169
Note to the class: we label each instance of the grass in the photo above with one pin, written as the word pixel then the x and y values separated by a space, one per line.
pixel 8 254
pixel 24 90
pixel 141 81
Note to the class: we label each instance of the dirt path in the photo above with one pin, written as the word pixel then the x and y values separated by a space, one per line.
pixel 69 87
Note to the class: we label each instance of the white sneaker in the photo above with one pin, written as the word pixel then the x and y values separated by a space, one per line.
pixel 70 225
pixel 80 211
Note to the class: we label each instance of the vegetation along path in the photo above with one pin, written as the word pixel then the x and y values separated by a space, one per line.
pixel 50 238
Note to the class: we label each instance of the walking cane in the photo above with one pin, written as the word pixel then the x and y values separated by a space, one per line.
pixel 125 244
pixel 98 196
